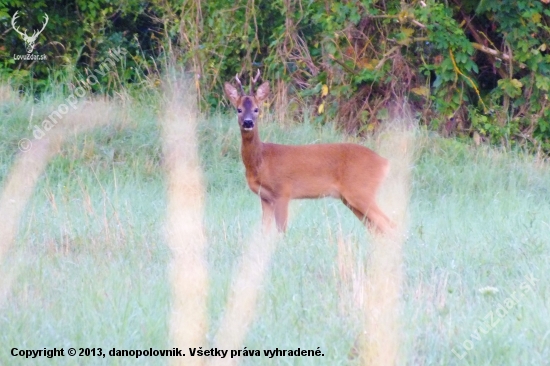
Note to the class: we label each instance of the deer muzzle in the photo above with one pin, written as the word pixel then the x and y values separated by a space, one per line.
pixel 248 124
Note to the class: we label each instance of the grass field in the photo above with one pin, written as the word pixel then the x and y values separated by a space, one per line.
pixel 89 266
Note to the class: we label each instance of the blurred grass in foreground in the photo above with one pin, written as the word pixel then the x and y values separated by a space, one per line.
pixel 89 267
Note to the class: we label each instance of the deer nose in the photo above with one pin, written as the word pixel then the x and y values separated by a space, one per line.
pixel 248 124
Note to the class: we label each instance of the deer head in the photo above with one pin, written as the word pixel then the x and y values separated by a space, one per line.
pixel 247 105
pixel 29 40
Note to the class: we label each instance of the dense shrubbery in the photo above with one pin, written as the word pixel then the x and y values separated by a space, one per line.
pixel 467 67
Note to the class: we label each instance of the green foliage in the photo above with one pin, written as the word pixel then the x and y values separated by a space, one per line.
pixel 523 26
pixel 463 59
pixel 509 87
pixel 447 39
pixel 79 39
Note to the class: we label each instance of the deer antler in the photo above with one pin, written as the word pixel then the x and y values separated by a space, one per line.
pixel 254 80
pixel 240 85
pixel 16 28
pixel 256 77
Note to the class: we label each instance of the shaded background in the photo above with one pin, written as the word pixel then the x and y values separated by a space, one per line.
pixel 469 68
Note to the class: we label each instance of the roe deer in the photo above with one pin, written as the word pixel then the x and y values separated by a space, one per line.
pixel 279 173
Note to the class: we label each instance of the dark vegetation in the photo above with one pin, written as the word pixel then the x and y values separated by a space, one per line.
pixel 467 68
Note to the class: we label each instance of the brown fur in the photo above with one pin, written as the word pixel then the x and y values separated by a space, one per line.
pixel 278 173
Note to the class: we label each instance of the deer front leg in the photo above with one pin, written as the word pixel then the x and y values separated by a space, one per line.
pixel 267 214
pixel 281 213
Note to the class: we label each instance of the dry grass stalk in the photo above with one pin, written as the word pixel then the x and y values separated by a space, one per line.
pixel 240 309
pixel 383 285
pixel 184 227
pixel 30 165
pixel 351 276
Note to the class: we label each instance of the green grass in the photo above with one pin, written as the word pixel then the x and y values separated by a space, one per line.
pixel 89 267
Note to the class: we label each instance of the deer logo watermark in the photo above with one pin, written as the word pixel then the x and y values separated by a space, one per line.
pixel 29 40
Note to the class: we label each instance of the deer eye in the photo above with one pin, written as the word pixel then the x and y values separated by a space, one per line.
pixel 239 110
pixel 255 110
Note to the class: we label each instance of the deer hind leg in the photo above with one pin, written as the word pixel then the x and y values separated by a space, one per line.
pixel 281 213
pixel 368 212
pixel 362 201
pixel 378 219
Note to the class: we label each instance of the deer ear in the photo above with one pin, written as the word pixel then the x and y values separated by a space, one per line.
pixel 232 94
pixel 262 92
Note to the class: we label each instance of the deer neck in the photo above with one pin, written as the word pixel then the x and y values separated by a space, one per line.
pixel 251 151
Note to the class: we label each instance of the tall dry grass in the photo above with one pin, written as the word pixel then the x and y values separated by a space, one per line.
pixel 29 166
pixel 188 243
pixel 184 222
pixel 245 290
pixel 384 276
